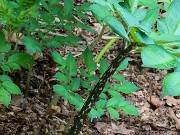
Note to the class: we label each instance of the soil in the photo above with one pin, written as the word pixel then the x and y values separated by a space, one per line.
pixel 28 116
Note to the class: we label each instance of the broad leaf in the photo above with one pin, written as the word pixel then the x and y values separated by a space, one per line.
pixel 118 77
pixel 4 78
pixel 61 91
pixel 113 102
pixel 123 65
pixel 59 59
pixel 103 66
pixel 116 26
pixel 68 6
pixel 127 87
pixel 129 109
pixel 171 84
pixel 151 16
pixel 23 59
pixel 148 3
pixel 11 87
pixel 75 84
pixel 113 112
pixel 32 45
pixel 101 103
pixel 70 62
pixel 155 56
pixel 5 96
pixel 61 77
pixel 88 57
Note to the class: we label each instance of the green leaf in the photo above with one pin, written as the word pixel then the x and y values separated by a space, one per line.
pixel 116 26
pixel 11 87
pixel 113 102
pixel 101 103
pixel 99 12
pixel 123 65
pixel 75 84
pixel 129 109
pixel 58 58
pixel 68 6
pixel 5 68
pixel 127 87
pixel 103 96
pixel 23 59
pixel 4 78
pixel 148 3
pixel 70 62
pixel 113 112
pixel 173 16
pixel 133 5
pixel 61 91
pixel 75 101
pixel 140 14
pixel 32 45
pixel 83 72
pixel 84 84
pixel 114 93
pixel 14 66
pixel 103 66
pixel 5 96
pixel 3 46
pixel 61 77
pixel 152 16
pixel 171 84
pixel 155 56
pixel 88 57
pixel 92 67
pixel 129 19
pixel 93 114
pixel 118 77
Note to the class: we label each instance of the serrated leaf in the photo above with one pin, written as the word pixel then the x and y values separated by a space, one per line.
pixel 116 26
pixel 58 58
pixel 88 57
pixel 95 114
pixel 113 102
pixel 101 103
pixel 23 59
pixel 70 62
pixel 103 66
pixel 75 84
pixel 127 87
pixel 32 45
pixel 114 93
pixel 4 78
pixel 83 72
pixel 155 56
pixel 118 77
pixel 61 91
pixel 171 84
pixel 129 109
pixel 123 65
pixel 113 112
pixel 5 96
pixel 68 6
pixel 103 96
pixel 11 87
pixel 61 77
pixel 5 68
pixel 75 101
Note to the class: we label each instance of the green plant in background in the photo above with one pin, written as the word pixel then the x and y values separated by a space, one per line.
pixel 70 84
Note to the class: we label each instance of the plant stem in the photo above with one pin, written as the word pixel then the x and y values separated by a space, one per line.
pixel 28 81
pixel 94 95
pixel 106 47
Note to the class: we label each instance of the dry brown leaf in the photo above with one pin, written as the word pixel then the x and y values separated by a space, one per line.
pixel 172 101
pixel 121 129
pixel 173 116
pixel 155 101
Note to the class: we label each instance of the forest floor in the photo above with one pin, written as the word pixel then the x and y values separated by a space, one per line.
pixel 27 115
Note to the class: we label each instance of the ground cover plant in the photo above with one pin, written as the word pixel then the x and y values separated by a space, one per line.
pixel 31 24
